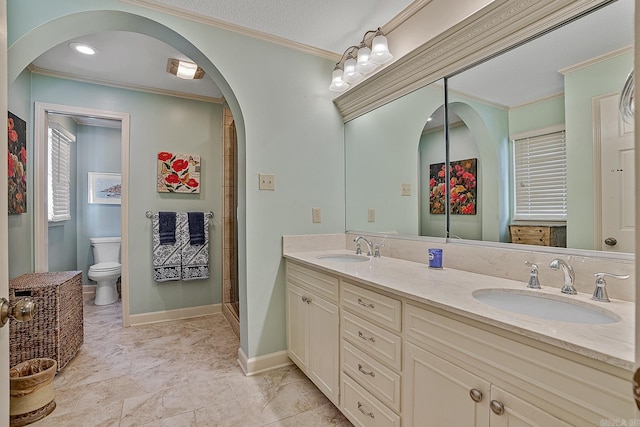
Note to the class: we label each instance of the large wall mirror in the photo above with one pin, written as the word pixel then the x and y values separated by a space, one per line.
pixel 562 85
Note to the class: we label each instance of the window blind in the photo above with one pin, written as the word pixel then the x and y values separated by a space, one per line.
pixel 540 177
pixel 59 182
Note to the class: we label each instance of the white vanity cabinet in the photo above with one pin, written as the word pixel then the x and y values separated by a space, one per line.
pixel 458 374
pixel 371 356
pixel 313 330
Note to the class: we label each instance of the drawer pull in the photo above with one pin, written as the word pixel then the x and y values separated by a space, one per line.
pixel 364 304
pixel 497 407
pixel 368 414
pixel 476 395
pixel 366 338
pixel 306 299
pixel 371 373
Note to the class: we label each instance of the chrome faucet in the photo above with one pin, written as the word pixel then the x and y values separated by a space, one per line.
pixel 600 293
pixel 569 275
pixel 534 283
pixel 369 246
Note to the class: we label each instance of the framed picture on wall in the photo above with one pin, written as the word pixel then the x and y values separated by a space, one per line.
pixel 104 188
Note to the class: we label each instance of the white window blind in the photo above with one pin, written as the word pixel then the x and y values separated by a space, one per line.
pixel 540 175
pixel 59 197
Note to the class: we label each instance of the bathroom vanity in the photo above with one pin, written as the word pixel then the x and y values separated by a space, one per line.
pixel 391 342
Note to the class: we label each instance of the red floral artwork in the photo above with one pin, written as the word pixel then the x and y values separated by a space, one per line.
pixel 17 164
pixel 178 173
pixel 462 187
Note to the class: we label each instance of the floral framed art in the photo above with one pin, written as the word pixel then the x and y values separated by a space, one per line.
pixel 178 173
pixel 17 167
pixel 105 188
pixel 462 186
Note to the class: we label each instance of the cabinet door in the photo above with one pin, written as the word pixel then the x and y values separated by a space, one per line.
pixel 324 341
pixel 436 393
pixel 518 413
pixel 297 325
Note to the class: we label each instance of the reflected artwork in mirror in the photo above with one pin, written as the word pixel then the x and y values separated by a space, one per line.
pixel 567 80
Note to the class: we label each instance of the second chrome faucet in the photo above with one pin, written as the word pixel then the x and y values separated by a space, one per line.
pixel 372 249
pixel 569 275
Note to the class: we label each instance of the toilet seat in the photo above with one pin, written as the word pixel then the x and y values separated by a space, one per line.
pixel 105 267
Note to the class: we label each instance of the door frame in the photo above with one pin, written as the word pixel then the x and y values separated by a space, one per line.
pixel 41 226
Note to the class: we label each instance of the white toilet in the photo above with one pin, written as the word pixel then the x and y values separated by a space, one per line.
pixel 107 268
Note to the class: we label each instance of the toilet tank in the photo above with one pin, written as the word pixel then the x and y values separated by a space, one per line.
pixel 105 249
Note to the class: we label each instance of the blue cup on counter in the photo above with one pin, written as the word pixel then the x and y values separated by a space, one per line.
pixel 435 258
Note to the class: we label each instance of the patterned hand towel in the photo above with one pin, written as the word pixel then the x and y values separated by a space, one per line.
pixel 167 228
pixel 196 228
pixel 195 258
pixel 167 258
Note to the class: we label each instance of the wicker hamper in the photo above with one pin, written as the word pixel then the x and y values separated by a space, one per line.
pixel 56 331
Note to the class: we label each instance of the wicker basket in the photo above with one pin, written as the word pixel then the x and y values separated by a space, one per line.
pixel 31 394
pixel 56 331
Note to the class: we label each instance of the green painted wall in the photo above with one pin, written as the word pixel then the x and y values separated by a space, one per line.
pixel 286 122
pixel 20 232
pixel 539 115
pixel 381 154
pixel 581 86
pixel 98 151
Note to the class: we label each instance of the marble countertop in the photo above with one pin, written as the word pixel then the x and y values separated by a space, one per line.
pixel 451 290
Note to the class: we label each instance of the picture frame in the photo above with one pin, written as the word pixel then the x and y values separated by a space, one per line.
pixel 105 188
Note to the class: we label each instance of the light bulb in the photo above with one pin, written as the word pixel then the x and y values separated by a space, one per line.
pixel 380 50
pixel 364 65
pixel 350 74
pixel 337 84
pixel 186 70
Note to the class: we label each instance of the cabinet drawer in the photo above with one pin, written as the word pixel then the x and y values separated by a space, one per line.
pixel 363 409
pixel 381 381
pixel 319 283
pixel 376 307
pixel 373 340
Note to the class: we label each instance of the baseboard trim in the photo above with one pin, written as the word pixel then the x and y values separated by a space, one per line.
pixel 178 314
pixel 256 365
pixel 89 289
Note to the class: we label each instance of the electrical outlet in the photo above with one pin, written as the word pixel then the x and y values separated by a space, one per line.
pixel 405 190
pixel 371 215
pixel 266 181
pixel 315 215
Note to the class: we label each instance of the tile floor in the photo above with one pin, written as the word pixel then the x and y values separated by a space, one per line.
pixel 181 373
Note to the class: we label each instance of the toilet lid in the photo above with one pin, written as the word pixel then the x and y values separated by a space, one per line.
pixel 105 266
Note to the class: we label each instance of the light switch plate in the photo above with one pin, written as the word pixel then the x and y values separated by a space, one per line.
pixel 266 181
pixel 371 215
pixel 405 190
pixel 316 215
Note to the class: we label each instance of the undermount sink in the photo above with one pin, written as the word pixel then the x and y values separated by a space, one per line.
pixel 545 306
pixel 348 258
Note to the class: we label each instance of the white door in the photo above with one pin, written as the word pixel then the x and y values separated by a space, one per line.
pixel 617 178
pixel 438 393
pixel 324 342
pixel 4 254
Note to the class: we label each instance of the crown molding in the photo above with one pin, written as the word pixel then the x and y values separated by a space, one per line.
pixel 597 59
pixel 138 88
pixel 495 28
pixel 182 13
pixel 404 15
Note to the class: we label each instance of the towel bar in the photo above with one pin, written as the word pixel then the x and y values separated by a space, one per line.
pixel 149 214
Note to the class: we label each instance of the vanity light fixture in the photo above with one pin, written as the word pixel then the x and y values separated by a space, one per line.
pixel 350 70
pixel 84 48
pixel 184 69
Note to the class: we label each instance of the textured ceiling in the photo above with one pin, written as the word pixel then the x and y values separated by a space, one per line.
pixel 331 25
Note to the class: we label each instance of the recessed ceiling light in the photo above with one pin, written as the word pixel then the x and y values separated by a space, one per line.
pixel 429 119
pixel 184 69
pixel 84 49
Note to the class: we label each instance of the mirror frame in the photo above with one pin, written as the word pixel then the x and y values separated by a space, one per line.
pixel 503 25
